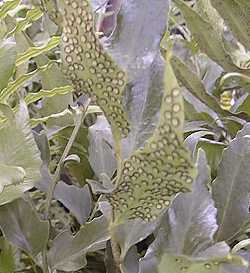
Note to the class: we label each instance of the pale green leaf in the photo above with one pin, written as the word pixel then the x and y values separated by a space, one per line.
pixel 142 60
pixel 35 51
pixel 77 200
pixel 68 252
pixel 31 16
pixel 7 112
pixel 33 97
pixel 231 188
pixel 14 86
pixel 171 264
pixel 191 81
pixel 10 175
pixel 213 151
pixel 236 15
pixel 78 170
pixel 131 233
pixel 52 78
pixel 101 152
pixel 18 149
pixel 23 228
pixel 192 217
pixel 208 32
pixel 7 61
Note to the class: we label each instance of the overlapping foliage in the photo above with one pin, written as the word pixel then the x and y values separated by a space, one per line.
pixel 124 136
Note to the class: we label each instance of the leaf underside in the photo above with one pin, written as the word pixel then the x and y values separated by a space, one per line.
pixel 153 175
pixel 90 69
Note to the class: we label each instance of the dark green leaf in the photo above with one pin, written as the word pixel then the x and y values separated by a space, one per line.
pixel 7 259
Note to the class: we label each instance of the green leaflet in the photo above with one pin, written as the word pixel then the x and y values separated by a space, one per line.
pixel 31 16
pixel 58 116
pixel 18 83
pixel 36 51
pixel 7 6
pixel 62 116
pixel 32 97
pixel 236 15
pixel 86 64
pixel 153 175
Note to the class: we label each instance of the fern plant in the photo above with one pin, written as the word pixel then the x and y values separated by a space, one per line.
pixel 111 121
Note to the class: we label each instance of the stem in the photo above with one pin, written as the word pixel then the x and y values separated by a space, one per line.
pixel 78 121
pixel 118 153
pixel 45 260
pixel 95 208
pixel 241 245
pixel 116 254
pixel 60 163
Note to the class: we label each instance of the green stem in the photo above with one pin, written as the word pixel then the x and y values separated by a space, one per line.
pixel 56 177
pixel 118 153
pixel 60 163
pixel 116 254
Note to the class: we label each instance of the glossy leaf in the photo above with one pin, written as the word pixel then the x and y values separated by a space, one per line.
pixel 143 62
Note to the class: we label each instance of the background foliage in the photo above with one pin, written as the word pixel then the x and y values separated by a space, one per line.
pixel 124 136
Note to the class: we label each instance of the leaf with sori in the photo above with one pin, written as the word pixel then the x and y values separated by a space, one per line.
pixel 153 175
pixel 88 66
